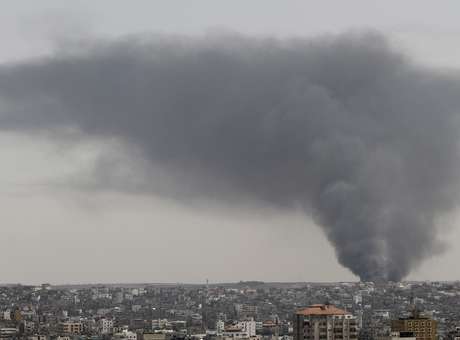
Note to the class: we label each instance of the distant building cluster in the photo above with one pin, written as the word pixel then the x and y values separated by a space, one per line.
pixel 241 311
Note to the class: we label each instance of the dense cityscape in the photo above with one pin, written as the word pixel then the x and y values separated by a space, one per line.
pixel 244 310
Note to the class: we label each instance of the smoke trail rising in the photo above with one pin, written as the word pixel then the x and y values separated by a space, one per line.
pixel 362 138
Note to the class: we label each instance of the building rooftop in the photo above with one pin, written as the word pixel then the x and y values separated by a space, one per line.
pixel 321 310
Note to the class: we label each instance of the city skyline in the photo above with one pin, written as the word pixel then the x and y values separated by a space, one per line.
pixel 244 310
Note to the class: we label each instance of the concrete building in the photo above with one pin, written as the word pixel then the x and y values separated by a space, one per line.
pixel 105 326
pixel 454 334
pixel 324 322
pixel 70 328
pixel 220 327
pixel 239 330
pixel 64 338
pixel 118 297
pixel 398 336
pixel 248 326
pixel 403 336
pixel 125 335
pixel 233 332
pixel 244 310
pixel 8 332
pixel 37 337
pixel 6 315
pixel 156 336
pixel 160 324
pixel 423 328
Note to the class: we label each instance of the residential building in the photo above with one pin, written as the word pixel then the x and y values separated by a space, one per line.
pixel 37 337
pixel 70 328
pixel 244 310
pixel 397 336
pixel 324 322
pixel 423 328
pixel 8 332
pixel 106 326
pixel 125 335
pixel 220 327
pixel 248 326
pixel 156 336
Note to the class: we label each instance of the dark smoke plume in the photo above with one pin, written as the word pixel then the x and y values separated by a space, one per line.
pixel 362 138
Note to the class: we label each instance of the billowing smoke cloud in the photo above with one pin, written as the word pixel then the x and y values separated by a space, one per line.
pixel 357 135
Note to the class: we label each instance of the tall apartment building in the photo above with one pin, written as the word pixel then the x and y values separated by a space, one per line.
pixel 422 327
pixel 324 322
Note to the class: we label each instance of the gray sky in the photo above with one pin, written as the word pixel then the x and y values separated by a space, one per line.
pixel 53 233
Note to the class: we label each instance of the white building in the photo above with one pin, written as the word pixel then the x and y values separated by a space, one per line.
pixel 220 327
pixel 63 337
pixel 7 315
pixel 8 332
pixel 358 299
pixel 248 326
pixel 160 323
pixel 106 326
pixel 125 335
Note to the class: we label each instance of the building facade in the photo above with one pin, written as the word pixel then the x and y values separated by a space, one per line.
pixel 70 328
pixel 106 326
pixel 248 326
pixel 324 322
pixel 422 327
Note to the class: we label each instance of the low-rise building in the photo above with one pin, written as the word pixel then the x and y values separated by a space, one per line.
pixel 70 328
pixel 125 335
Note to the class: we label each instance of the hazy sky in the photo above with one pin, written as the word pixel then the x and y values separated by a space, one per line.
pixel 62 235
